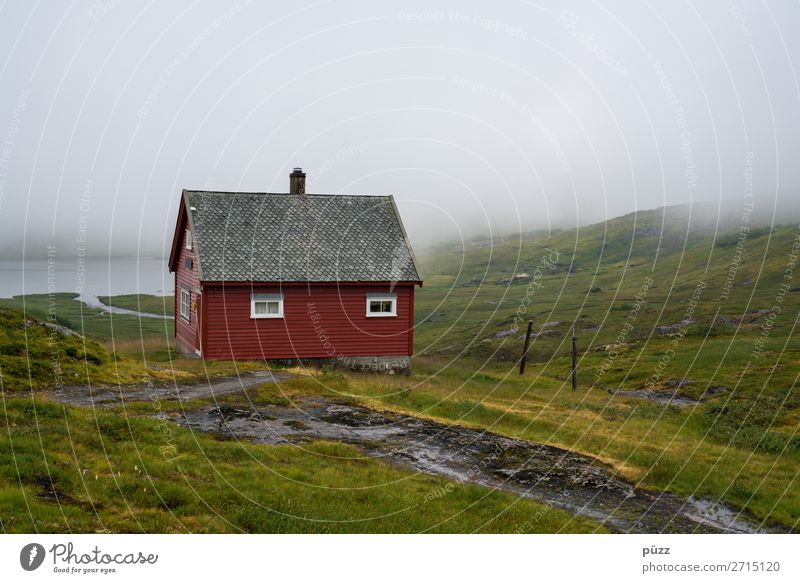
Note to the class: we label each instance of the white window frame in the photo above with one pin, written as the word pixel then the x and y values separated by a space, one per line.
pixel 257 298
pixel 185 293
pixel 382 298
pixel 188 239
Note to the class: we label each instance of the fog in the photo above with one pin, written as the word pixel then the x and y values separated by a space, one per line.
pixel 480 119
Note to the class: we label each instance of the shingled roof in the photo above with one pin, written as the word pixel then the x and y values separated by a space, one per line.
pixel 241 236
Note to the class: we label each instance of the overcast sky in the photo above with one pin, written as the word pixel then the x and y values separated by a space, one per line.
pixel 477 116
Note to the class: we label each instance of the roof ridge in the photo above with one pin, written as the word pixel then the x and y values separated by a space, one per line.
pixel 330 194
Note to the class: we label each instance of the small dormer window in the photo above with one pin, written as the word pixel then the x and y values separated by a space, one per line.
pixel 381 305
pixel 189 239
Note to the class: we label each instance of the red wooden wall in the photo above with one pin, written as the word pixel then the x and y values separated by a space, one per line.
pixel 186 332
pixel 320 321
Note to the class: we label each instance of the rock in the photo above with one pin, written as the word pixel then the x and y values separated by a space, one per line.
pixel 504 333
pixel 474 281
pixel 228 412
pixel 296 424
pixel 607 347
pixel 674 327
pixel 513 279
pixel 63 330
pixel 758 315
pixel 679 383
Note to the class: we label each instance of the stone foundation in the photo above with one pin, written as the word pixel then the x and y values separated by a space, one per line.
pixel 376 364
pixel 368 364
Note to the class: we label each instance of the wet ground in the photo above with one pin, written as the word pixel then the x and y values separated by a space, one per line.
pixel 559 478
pixel 670 396
pixel 84 396
pixel 661 397
pixel 551 475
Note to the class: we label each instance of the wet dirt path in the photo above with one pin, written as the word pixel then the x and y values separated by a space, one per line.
pixel 84 396
pixel 559 478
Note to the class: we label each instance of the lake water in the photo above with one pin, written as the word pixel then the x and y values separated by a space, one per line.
pixel 95 277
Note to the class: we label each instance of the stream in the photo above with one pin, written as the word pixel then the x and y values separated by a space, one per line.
pixel 94 302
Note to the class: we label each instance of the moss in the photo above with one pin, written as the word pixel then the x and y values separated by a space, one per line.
pixel 747 422
pixel 34 355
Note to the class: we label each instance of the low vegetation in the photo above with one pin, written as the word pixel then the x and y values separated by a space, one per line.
pixel 36 355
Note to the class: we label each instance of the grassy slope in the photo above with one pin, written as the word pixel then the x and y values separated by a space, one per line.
pixel 35 356
pixel 459 319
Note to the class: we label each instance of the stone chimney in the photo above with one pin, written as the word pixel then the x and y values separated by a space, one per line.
pixel 297 181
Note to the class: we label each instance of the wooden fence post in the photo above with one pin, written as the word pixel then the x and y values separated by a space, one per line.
pixel 574 361
pixel 525 348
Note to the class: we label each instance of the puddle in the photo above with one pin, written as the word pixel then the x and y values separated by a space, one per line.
pixel 661 397
pixel 563 479
pixel 712 513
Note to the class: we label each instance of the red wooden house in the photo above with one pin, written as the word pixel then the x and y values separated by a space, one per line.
pixel 294 276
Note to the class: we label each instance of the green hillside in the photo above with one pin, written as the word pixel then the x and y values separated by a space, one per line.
pixel 653 297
